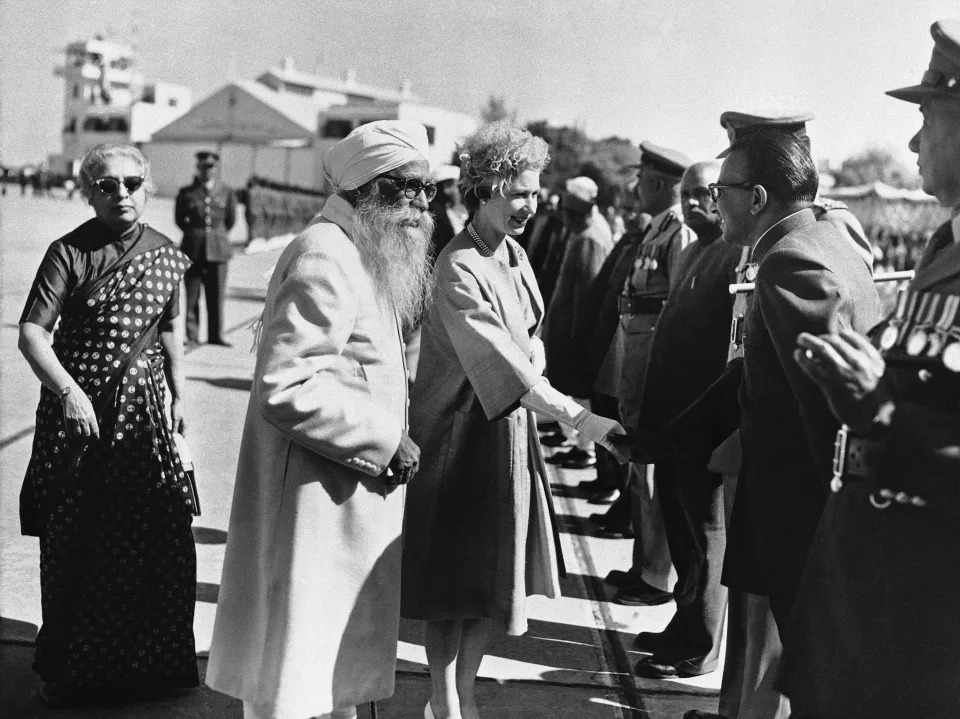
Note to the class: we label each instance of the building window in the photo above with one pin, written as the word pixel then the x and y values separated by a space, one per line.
pixel 149 94
pixel 106 124
pixel 336 129
pixel 172 102
pixel 71 126
pixel 431 134
pixel 76 90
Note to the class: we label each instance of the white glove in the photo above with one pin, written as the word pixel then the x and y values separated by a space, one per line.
pixel 598 429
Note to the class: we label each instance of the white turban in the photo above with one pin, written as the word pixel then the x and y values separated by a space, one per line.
pixel 373 149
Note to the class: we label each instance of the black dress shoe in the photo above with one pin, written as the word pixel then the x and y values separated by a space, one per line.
pixel 577 458
pixel 642 594
pixel 612 530
pixel 608 496
pixel 591 485
pixel 654 667
pixel 220 342
pixel 649 641
pixel 548 426
pixel 558 457
pixel 619 578
pixel 616 532
pixel 554 439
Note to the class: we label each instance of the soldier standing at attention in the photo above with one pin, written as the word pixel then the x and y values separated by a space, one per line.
pixel 648 582
pixel 875 623
pixel 206 211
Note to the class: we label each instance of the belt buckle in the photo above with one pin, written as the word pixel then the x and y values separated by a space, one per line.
pixel 839 458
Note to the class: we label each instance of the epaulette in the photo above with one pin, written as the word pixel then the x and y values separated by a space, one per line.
pixel 827 205
pixel 671 217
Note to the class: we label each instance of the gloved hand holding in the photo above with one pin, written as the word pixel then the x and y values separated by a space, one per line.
pixel 600 430
pixel 644 446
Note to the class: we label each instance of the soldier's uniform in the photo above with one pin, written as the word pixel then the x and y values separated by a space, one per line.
pixel 753 644
pixel 206 215
pixel 621 375
pixel 875 630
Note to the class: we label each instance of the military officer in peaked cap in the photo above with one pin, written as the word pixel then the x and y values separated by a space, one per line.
pixel 876 624
pixel 621 375
pixel 206 210
pixel 738 124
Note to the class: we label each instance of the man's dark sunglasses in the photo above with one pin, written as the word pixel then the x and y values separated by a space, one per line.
pixel 411 187
pixel 111 185
pixel 716 189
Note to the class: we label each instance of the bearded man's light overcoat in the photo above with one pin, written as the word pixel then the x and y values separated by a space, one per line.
pixel 308 612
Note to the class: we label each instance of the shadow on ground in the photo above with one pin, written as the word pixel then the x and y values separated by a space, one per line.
pixel 208 535
pixel 239 383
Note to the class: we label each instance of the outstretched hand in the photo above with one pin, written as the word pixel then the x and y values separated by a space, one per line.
pixel 644 446
pixel 848 369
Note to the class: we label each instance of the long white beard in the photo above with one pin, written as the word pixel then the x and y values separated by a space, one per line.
pixel 393 243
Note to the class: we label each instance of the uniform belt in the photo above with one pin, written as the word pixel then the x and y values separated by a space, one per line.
pixel 860 458
pixel 640 305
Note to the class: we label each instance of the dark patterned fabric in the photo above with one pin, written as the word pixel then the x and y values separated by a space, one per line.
pixel 117 559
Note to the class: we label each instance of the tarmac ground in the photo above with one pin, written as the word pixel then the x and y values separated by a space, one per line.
pixel 575 661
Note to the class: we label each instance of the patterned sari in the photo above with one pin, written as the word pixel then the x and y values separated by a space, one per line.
pixel 117 559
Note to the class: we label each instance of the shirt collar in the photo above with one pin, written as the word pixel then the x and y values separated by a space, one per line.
pixel 340 212
pixel 775 224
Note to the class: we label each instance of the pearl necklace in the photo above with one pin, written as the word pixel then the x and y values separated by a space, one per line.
pixel 478 241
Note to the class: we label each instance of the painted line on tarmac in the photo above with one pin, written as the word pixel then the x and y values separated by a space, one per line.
pixel 610 649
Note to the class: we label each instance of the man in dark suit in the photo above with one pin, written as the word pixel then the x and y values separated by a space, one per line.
pixel 206 211
pixel 688 352
pixel 446 208
pixel 876 630
pixel 808 279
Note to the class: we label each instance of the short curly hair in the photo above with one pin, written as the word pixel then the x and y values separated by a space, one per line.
pixel 94 161
pixel 493 156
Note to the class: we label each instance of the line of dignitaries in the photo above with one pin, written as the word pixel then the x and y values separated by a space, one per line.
pixel 657 327
pixel 843 535
pixel 309 605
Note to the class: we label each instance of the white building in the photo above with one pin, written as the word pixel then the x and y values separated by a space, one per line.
pixel 105 100
pixel 280 125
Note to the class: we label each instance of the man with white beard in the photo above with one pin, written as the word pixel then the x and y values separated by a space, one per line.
pixel 308 612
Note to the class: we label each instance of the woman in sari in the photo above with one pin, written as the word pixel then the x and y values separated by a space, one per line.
pixel 479 531
pixel 105 490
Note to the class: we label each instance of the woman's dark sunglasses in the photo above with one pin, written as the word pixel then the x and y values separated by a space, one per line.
pixel 411 187
pixel 111 185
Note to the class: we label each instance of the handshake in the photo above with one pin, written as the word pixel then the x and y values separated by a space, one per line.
pixel 638 446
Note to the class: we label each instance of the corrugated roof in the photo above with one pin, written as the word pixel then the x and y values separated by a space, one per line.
pixel 330 84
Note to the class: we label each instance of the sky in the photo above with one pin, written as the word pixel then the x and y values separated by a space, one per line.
pixel 641 69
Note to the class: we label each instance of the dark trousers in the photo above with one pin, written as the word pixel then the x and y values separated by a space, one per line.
pixel 213 277
pixel 691 499
pixel 610 473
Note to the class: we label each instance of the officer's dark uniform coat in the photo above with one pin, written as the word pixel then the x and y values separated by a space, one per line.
pixel 876 629
pixel 809 279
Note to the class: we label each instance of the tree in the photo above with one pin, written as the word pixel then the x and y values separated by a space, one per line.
pixel 606 161
pixel 875 164
pixel 496 110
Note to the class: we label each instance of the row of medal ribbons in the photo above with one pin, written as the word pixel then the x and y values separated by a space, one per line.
pixel 923 327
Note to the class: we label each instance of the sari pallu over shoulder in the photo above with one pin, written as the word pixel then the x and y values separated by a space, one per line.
pixel 107 340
